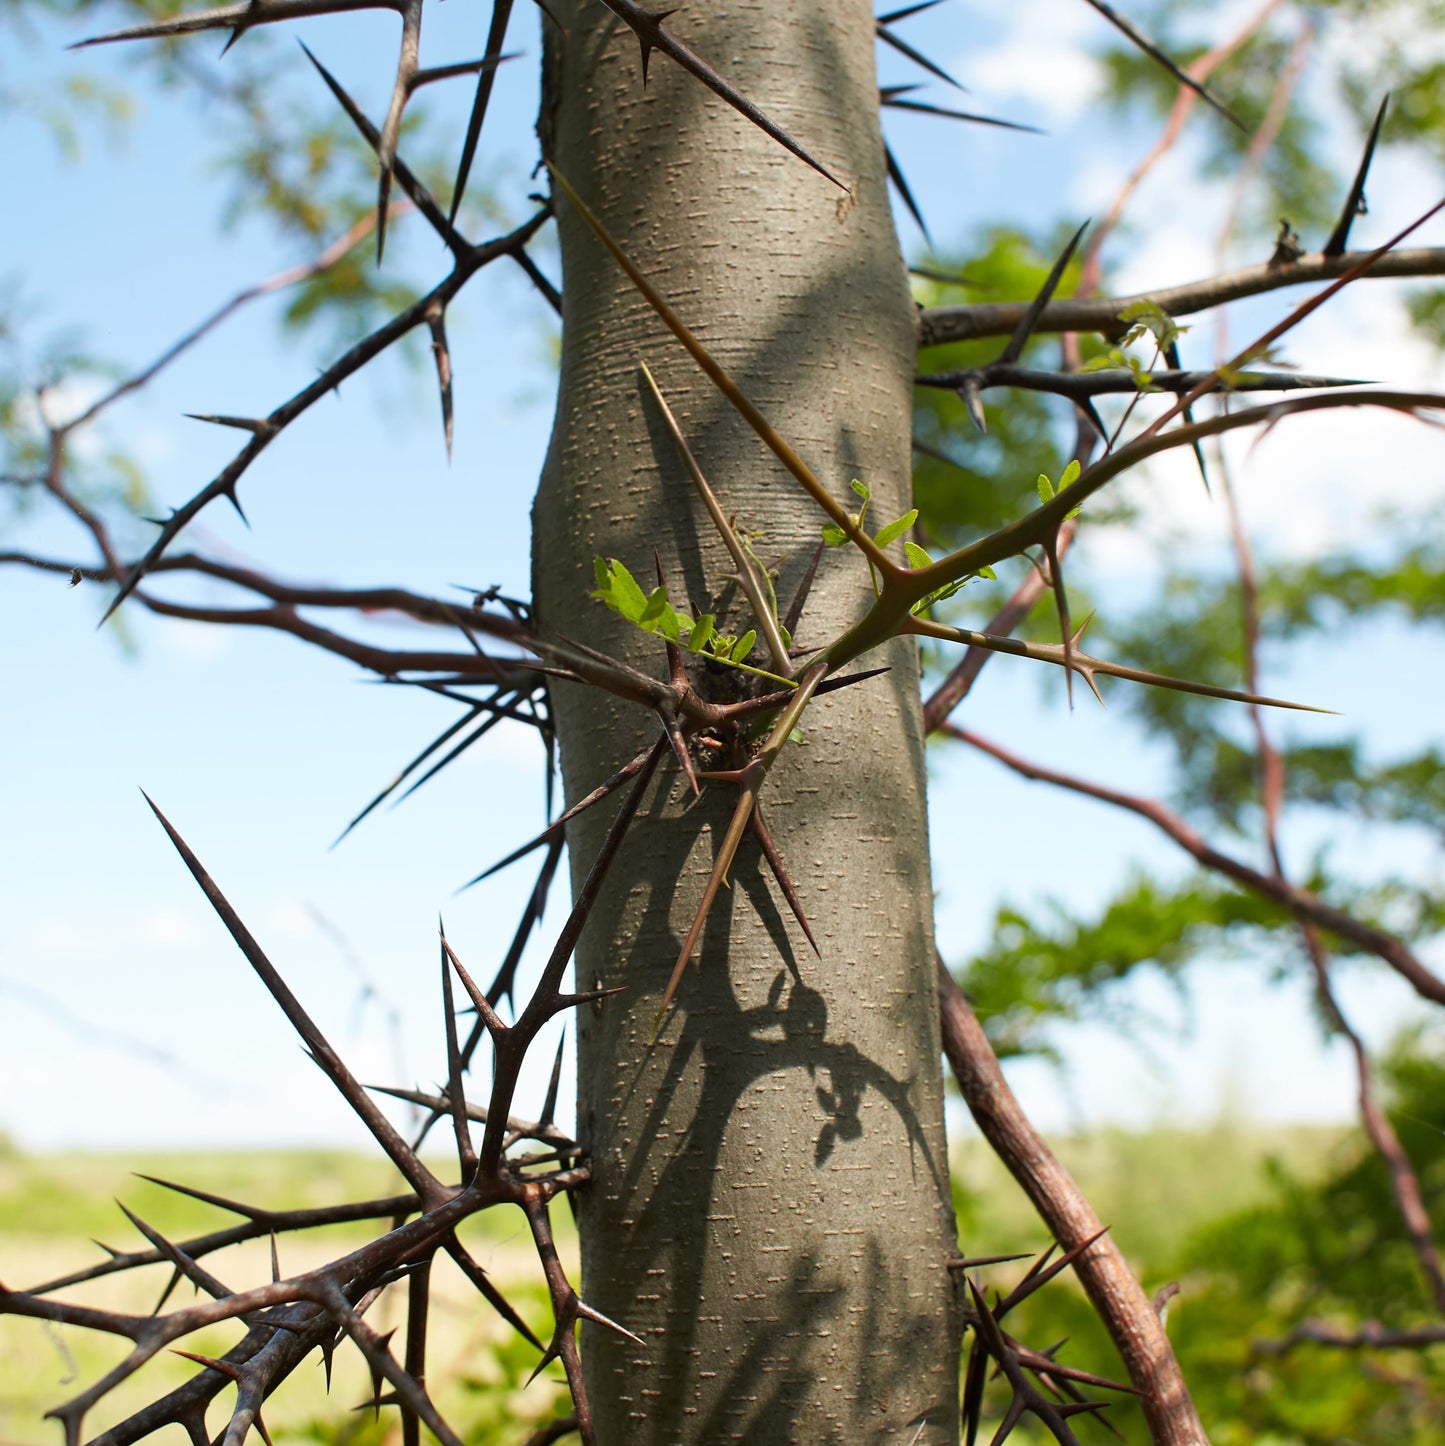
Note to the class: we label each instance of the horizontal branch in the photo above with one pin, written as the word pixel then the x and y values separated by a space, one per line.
pixel 939 325
pixel 1370 1336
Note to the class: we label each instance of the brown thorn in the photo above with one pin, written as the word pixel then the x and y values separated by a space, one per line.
pixel 437 324
pixel 780 873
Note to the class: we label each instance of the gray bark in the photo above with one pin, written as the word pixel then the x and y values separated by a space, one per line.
pixel 770 1211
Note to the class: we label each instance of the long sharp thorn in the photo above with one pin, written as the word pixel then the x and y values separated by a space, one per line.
pixel 647 26
pixel 1149 48
pixel 466 1157
pixel 1025 329
pixel 596 1316
pixel 740 403
pixel 219 1201
pixel 894 16
pixel 917 57
pixel 1044 1272
pixel 1355 201
pixel 554 829
pixel 1016 1408
pixel 549 1105
pixel 1061 605
pixel 416 762
pixel 437 324
pixel 475 736
pixel 673 729
pixel 406 65
pixel 800 598
pixel 923 107
pixel 970 1262
pixel 496 37
pixel 1091 413
pixel 900 182
pixel 423 199
pixel 363 1106
pixel 780 873
pixel 727 851
pixel 493 1021
pixel 975 1379
pixel 489 1292
pixel 218 419
pixel 1171 355
pixel 168 1289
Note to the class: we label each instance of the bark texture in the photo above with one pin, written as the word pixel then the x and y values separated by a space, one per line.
pixel 770 1211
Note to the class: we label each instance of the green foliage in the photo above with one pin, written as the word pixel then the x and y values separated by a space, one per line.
pixel 1330 1249
pixel 653 613
pixel 1041 969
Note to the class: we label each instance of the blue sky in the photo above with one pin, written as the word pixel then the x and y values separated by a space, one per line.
pixel 130 1018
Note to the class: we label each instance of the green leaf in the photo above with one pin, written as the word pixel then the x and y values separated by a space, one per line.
pixel 702 634
pixel 619 590
pixel 1149 316
pixel 989 573
pixel 744 646
pixel 1046 489
pixel 834 535
pixel 862 489
pixel 796 736
pixel 917 556
pixel 896 529
pixel 1071 475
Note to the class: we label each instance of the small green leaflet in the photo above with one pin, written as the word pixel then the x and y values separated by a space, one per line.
pixel 918 557
pixel 1046 488
pixel 1149 317
pixel 896 529
pixel 653 613
pixel 834 535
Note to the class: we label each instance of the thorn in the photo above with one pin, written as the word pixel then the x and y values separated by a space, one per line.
pixel 972 394
pixel 596 1316
pixel 647 25
pixel 904 48
pixel 1171 355
pixel 895 174
pixel 1025 329
pixel 254 425
pixel 437 324
pixel 780 873
pixel 1061 604
pixel 549 1105
pixel 1355 201
pixel 795 608
pixel 230 495
pixel 1154 53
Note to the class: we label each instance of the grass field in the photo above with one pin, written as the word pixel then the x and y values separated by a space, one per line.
pixel 1153 1189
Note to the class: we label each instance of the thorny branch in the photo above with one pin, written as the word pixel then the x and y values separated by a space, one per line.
pixel 287 1319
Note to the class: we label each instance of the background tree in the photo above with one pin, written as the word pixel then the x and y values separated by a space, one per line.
pixel 792 1006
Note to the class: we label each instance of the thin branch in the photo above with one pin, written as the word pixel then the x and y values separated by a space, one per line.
pixel 940 325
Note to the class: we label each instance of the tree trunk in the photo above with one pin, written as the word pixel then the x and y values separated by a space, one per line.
pixel 770 1207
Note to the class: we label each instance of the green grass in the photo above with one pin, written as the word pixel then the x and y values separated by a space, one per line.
pixel 1154 1189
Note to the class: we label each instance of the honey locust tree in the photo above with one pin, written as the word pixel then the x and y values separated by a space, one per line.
pixel 759 1167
